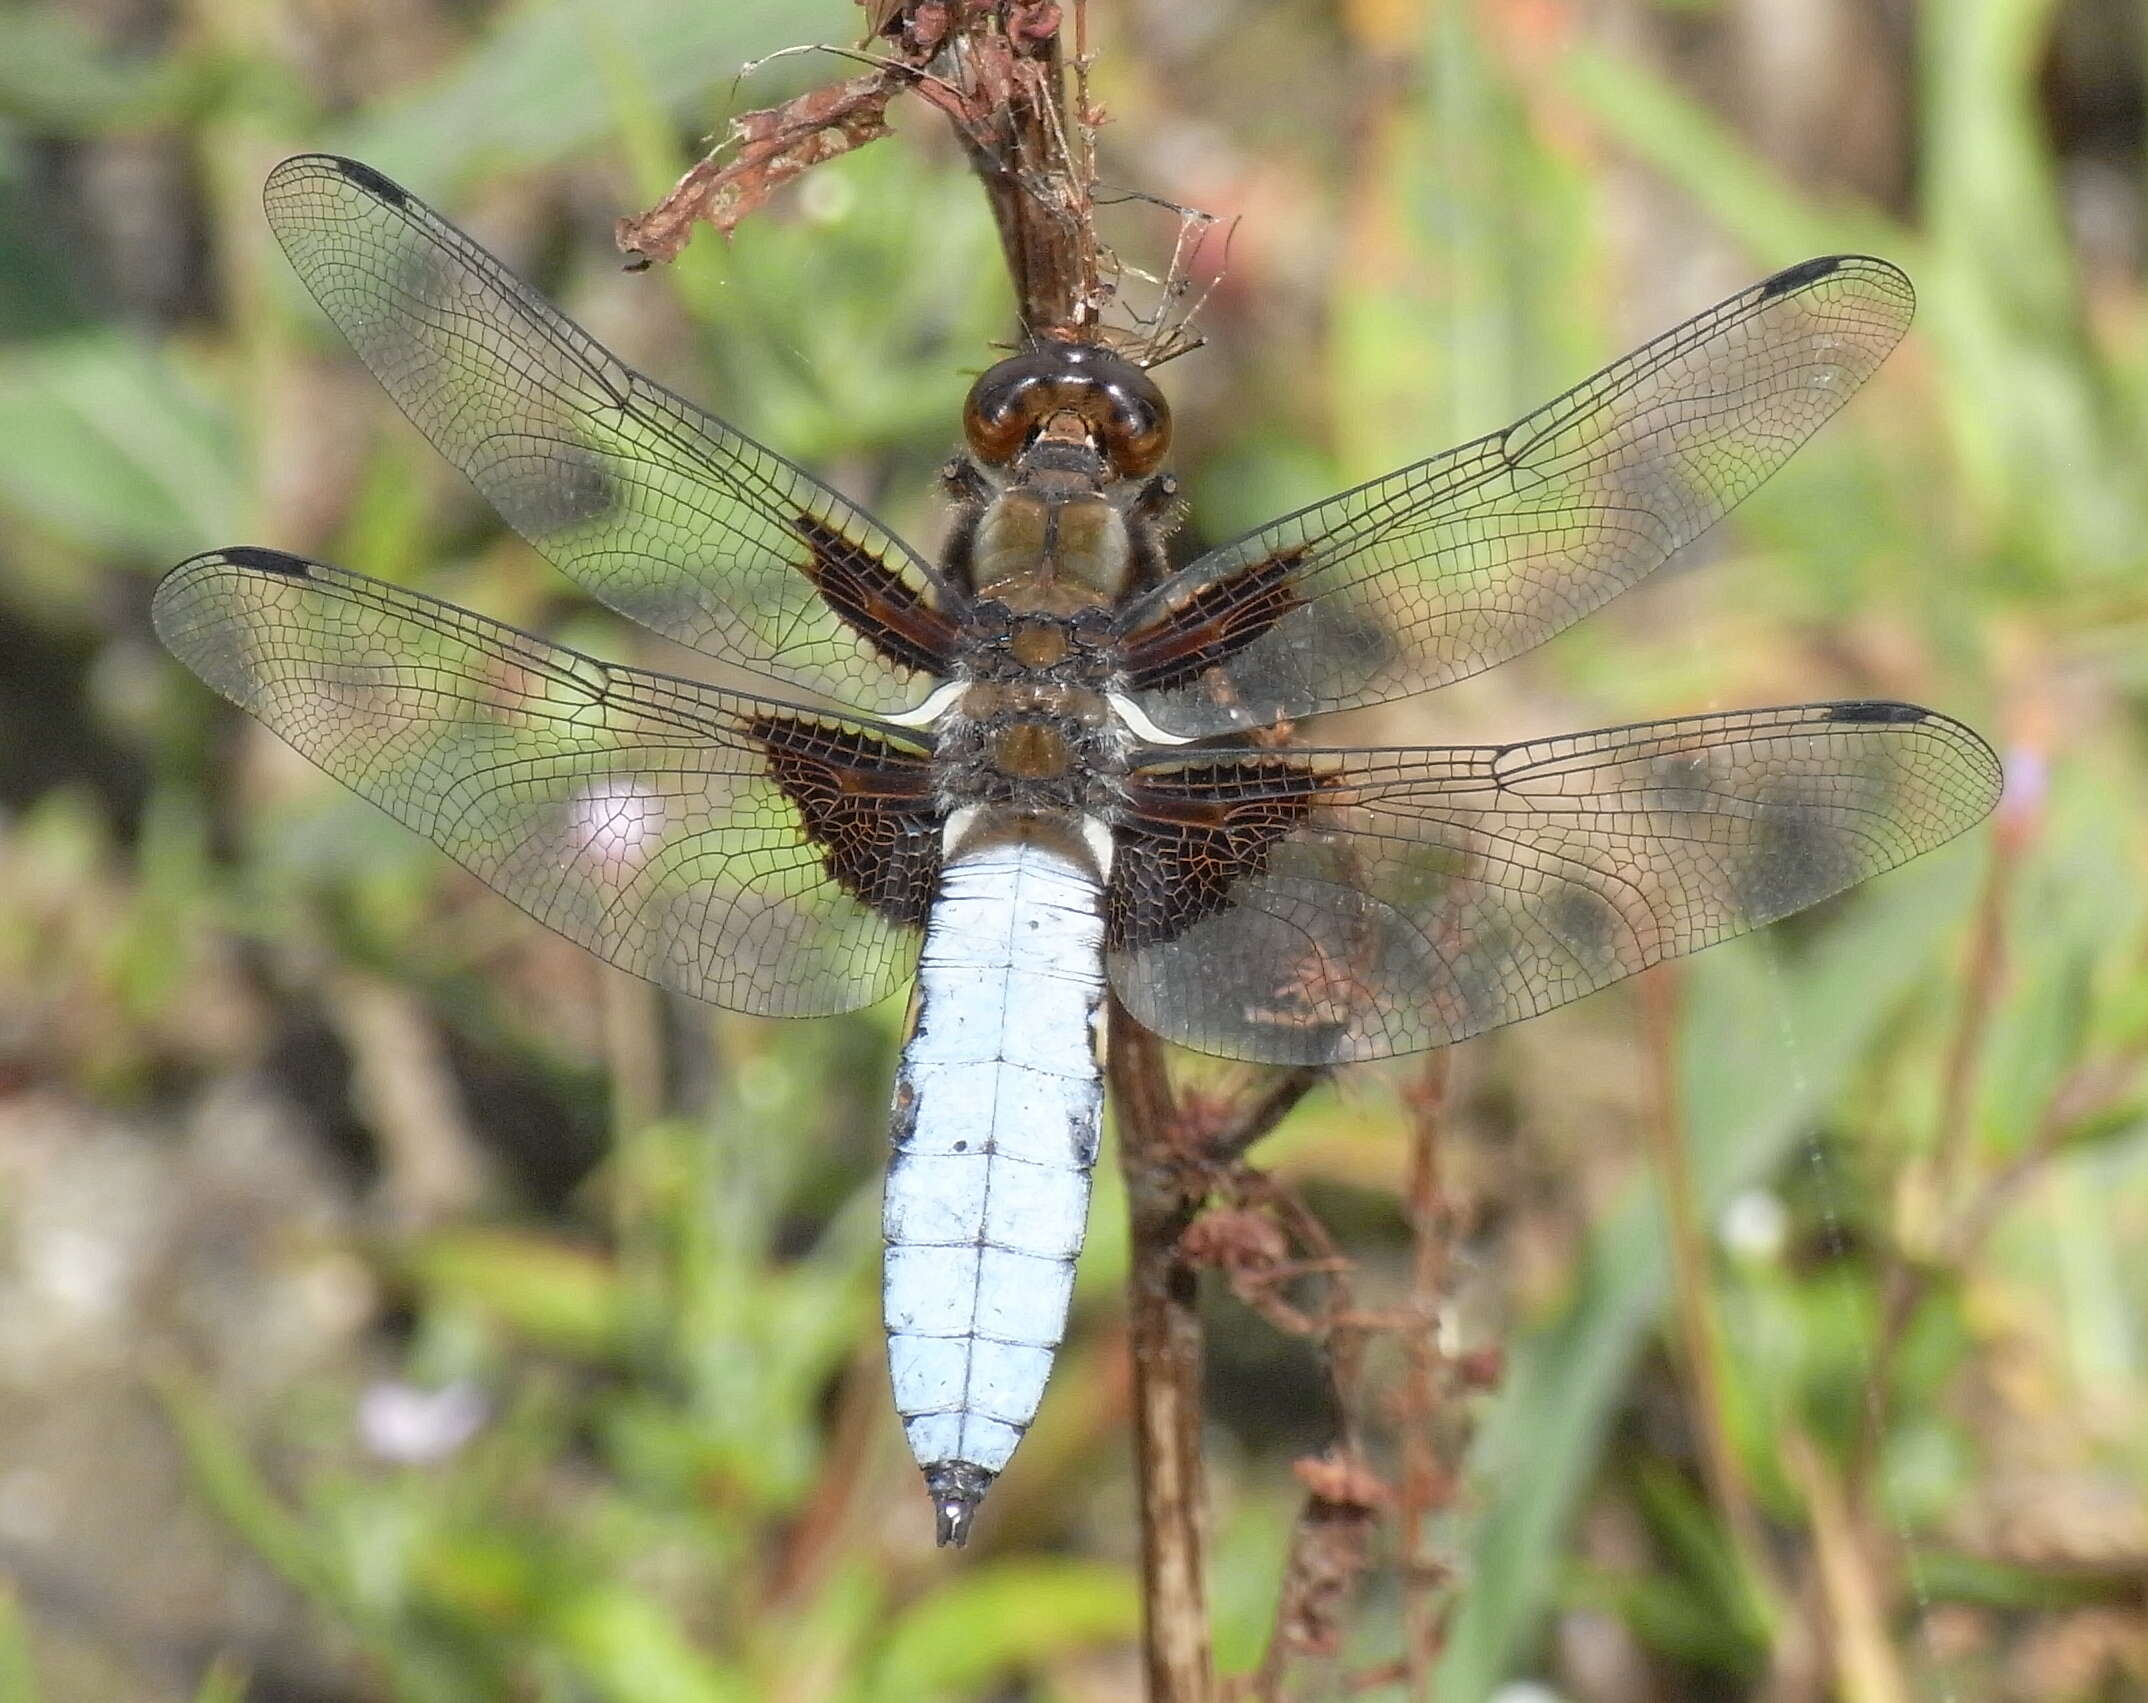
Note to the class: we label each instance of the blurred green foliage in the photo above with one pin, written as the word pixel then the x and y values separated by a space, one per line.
pixel 644 1242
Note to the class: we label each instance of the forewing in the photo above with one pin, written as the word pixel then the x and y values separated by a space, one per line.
pixel 660 510
pixel 1320 907
pixel 1447 567
pixel 753 854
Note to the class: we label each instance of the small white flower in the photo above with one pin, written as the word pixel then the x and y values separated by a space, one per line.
pixel 1755 1225
pixel 414 1427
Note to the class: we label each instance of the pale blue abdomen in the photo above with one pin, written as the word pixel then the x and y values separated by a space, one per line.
pixel 997 1107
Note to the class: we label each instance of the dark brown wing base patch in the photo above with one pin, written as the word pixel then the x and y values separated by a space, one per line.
pixel 1190 831
pixel 1213 625
pixel 876 602
pixel 867 804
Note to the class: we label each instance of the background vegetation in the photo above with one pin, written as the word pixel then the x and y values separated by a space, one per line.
pixel 394 1304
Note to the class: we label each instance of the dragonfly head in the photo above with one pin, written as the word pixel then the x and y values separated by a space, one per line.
pixel 1069 396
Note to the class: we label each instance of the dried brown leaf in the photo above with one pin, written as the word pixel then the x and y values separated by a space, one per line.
pixel 1330 1551
pixel 775 144
pixel 1342 1481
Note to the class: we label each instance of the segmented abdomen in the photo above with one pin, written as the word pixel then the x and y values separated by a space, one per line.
pixel 996 1114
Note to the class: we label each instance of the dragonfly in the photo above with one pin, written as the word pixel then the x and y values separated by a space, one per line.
pixel 1046 764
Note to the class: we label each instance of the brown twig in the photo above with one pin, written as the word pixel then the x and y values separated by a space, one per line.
pixel 1331 1541
pixel 1178 1157
pixel 1330 1550
pixel 1854 1590
pixel 1023 149
pixel 1426 1488
pixel 2084 1093
pixel 1260 1120
pixel 1164 1330
pixel 1264 1238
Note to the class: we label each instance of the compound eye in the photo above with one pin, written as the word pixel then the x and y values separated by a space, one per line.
pixel 1126 412
pixel 1005 405
pixel 1119 407
pixel 1137 436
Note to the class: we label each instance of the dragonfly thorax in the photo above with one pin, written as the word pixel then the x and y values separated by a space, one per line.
pixel 1034 746
pixel 1051 546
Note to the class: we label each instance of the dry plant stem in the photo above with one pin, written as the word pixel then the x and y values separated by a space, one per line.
pixel 1699 1333
pixel 1331 1540
pixel 1265 1114
pixel 1343 1328
pixel 1040 205
pixel 1858 1597
pixel 1330 1549
pixel 1164 1330
pixel 1171 1168
pixel 1424 1488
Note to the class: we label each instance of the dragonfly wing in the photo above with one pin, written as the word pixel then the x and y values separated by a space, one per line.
pixel 1320 907
pixel 660 510
pixel 1444 568
pixel 753 854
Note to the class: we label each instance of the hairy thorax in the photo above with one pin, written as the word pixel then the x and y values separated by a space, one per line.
pixel 1033 729
pixel 1032 744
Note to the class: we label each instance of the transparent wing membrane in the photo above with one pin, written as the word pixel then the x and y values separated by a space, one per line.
pixel 1283 904
pixel 1447 567
pixel 659 823
pixel 1319 907
pixel 660 510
